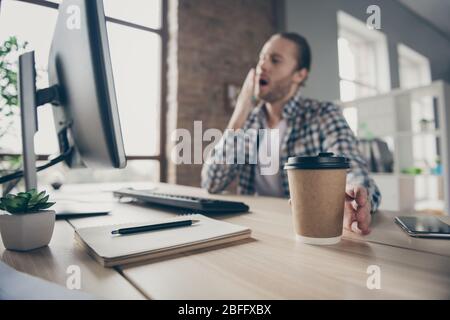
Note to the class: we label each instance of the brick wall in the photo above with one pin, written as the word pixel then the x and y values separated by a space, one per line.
pixel 218 42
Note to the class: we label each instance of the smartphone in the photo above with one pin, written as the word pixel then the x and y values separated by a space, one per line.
pixel 424 227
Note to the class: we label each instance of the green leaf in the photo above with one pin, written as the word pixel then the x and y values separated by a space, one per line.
pixel 21 202
pixel 37 198
pixel 45 205
pixel 18 212
pixel 26 199
pixel 24 195
pixel 41 195
pixel 44 200
pixel 14 205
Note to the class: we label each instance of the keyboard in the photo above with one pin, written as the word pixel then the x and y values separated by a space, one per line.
pixel 192 204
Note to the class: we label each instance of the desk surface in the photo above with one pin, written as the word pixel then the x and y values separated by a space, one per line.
pixel 272 265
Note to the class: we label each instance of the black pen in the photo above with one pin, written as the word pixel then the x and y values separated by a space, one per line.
pixel 151 227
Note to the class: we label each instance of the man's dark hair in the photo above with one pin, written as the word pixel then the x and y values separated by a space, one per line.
pixel 303 49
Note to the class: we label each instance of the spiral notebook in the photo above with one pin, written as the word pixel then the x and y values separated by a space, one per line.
pixel 111 250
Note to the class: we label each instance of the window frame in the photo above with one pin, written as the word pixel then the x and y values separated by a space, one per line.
pixel 420 63
pixel 352 29
pixel 162 32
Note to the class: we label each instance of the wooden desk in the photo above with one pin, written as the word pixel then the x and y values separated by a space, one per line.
pixel 270 266
pixel 51 263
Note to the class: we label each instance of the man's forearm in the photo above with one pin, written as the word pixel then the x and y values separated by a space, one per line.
pixel 340 140
pixel 240 115
pixel 237 121
pixel 218 171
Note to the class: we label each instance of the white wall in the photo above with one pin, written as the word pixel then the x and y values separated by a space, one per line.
pixel 317 21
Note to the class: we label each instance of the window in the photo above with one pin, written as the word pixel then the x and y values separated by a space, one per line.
pixel 414 68
pixel 363 59
pixel 136 33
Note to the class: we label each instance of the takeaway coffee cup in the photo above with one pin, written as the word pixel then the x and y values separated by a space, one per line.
pixel 317 189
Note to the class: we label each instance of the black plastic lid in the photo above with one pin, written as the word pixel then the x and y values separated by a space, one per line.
pixel 325 160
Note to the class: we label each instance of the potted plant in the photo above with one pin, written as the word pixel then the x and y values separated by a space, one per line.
pixel 26 223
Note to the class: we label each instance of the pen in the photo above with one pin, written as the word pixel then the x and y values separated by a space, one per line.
pixel 152 227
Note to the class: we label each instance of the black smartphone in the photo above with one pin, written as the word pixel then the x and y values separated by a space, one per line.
pixel 424 227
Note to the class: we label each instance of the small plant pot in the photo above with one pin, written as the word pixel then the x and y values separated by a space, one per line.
pixel 23 232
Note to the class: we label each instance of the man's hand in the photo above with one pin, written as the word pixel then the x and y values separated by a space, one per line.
pixel 357 216
pixel 244 103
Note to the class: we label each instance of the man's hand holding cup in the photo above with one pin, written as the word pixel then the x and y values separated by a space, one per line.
pixel 357 209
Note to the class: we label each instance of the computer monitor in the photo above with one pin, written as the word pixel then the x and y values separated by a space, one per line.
pixel 81 91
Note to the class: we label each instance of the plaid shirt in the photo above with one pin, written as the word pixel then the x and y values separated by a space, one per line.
pixel 312 127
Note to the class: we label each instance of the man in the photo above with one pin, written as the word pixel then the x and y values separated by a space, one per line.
pixel 306 128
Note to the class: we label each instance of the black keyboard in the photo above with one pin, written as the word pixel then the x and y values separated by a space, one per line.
pixel 194 204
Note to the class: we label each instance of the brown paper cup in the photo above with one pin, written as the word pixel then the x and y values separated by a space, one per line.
pixel 317 204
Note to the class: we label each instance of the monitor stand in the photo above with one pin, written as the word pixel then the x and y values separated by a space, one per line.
pixel 30 100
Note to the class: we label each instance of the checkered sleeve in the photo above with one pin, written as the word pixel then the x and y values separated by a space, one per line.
pixel 221 168
pixel 339 139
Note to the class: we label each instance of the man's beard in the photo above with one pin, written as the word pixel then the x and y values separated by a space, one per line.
pixel 279 91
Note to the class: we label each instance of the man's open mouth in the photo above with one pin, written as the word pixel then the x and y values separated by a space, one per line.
pixel 263 82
